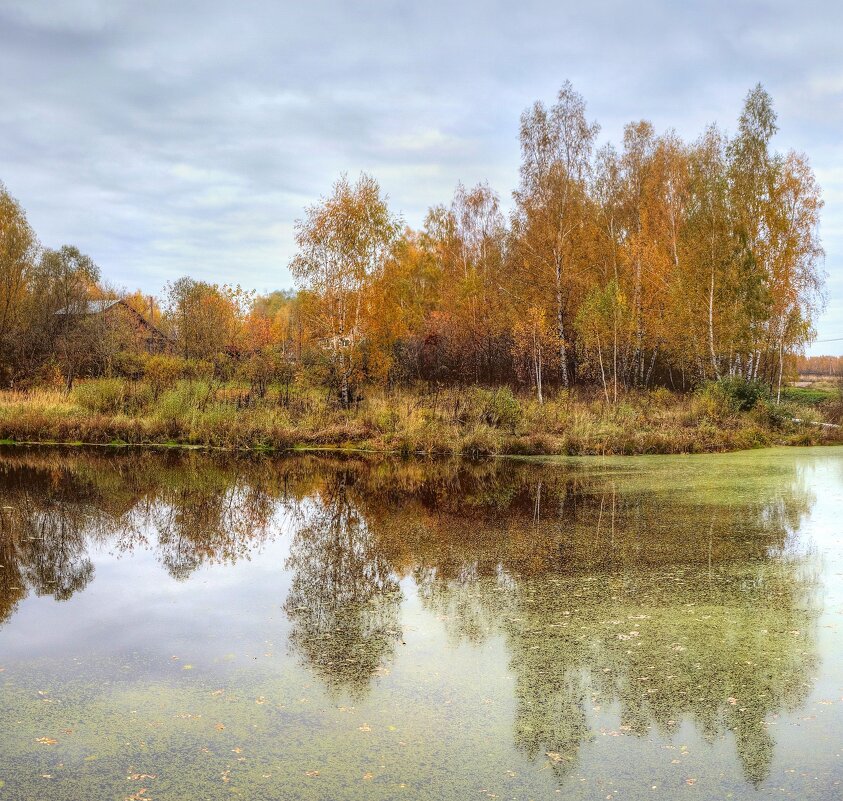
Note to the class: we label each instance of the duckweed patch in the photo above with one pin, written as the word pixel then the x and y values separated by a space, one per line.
pixel 177 626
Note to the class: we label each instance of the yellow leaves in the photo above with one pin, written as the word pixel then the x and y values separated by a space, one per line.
pixel 139 777
pixel 368 776
pixel 46 741
pixel 220 727
pixel 311 774
pixel 364 727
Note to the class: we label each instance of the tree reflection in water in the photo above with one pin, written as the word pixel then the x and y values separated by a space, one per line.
pixel 344 602
pixel 621 595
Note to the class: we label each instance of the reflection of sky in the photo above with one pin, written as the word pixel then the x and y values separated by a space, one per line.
pixel 810 736
pixel 229 617
pixel 133 605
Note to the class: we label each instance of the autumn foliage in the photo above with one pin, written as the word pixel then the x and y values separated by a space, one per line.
pixel 656 262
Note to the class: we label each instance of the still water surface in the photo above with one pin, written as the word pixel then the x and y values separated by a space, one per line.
pixel 187 627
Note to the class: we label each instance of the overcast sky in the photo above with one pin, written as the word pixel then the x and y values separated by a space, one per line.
pixel 170 138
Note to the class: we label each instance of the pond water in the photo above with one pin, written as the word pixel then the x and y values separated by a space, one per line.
pixel 184 626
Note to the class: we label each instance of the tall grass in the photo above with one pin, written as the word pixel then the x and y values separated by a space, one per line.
pixel 465 421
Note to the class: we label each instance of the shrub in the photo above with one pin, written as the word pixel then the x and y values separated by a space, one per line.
pixel 184 400
pixel 742 393
pixel 497 408
pixel 833 408
pixel 728 395
pixel 138 395
pixel 661 397
pixel 162 372
pixel 772 415
pixel 129 364
pixel 200 369
pixel 101 395
pixel 48 376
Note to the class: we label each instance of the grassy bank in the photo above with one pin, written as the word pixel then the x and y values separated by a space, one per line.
pixel 467 421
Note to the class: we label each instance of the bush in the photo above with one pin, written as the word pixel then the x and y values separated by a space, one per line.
pixel 498 408
pixel 129 364
pixel 101 395
pixel 772 415
pixel 138 395
pixel 833 408
pixel 661 397
pixel 162 372
pixel 731 394
pixel 184 400
pixel 744 394
pixel 199 369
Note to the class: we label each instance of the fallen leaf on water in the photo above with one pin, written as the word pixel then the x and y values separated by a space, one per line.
pixel 367 776
pixel 46 741
pixel 364 727
pixel 312 774
pixel 219 727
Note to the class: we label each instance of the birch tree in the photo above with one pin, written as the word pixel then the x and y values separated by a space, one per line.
pixel 342 243
pixel 551 202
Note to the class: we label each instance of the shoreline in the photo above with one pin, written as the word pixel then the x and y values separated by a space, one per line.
pixel 794 441
pixel 469 422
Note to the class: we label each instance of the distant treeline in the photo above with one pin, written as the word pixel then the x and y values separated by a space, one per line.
pixel 661 262
pixel 820 365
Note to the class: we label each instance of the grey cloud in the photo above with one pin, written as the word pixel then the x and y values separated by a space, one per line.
pixel 170 137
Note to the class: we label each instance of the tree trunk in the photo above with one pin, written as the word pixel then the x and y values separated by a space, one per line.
pixel 711 328
pixel 560 314
pixel 538 369
pixel 602 371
